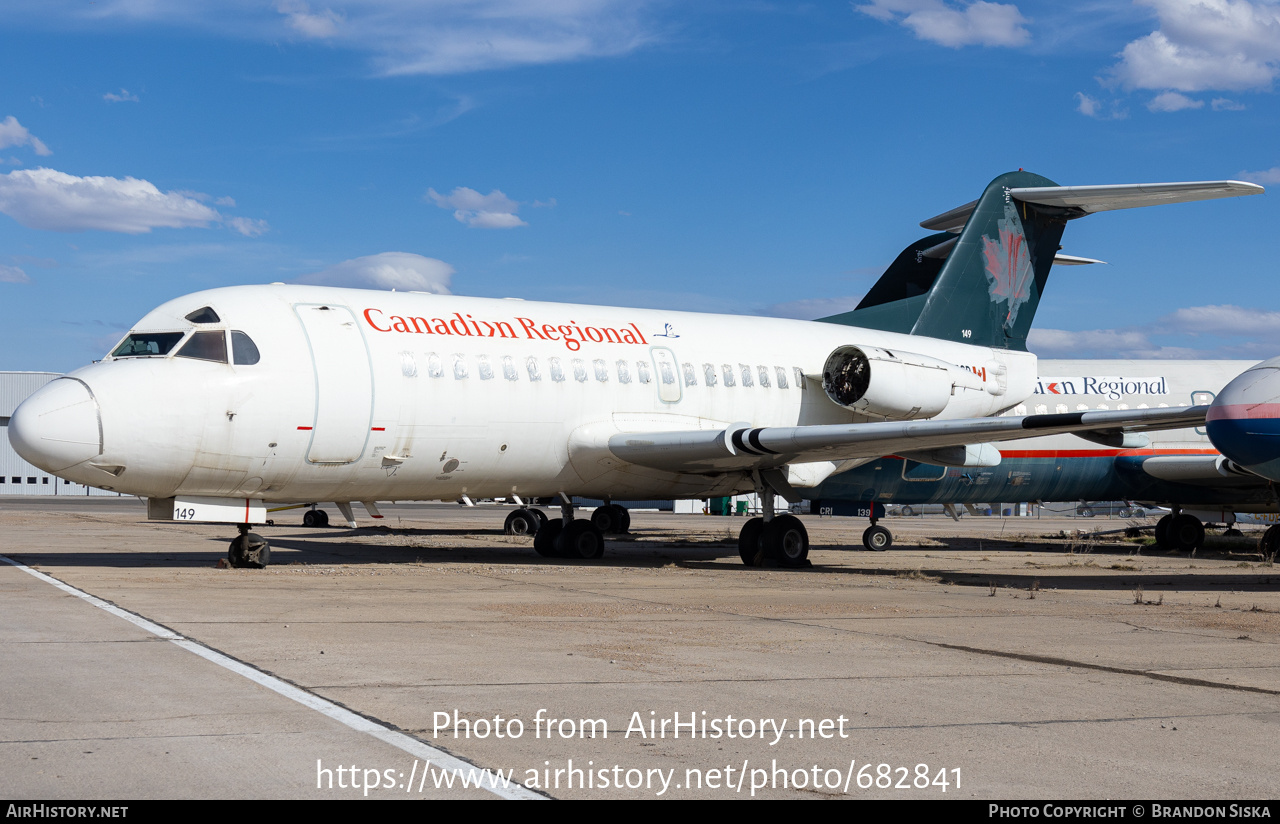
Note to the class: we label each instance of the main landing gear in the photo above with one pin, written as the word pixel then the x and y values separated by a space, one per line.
pixel 569 537
pixel 1176 530
pixel 524 521
pixel 1269 543
pixel 781 539
pixel 315 517
pixel 249 550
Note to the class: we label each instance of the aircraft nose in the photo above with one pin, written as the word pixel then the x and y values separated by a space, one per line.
pixel 57 427
pixel 1244 420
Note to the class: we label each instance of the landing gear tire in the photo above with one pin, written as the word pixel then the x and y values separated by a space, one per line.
pixel 623 519
pixel 249 551
pixel 786 540
pixel 1185 533
pixel 540 515
pixel 1232 532
pixel 750 549
pixel 315 518
pixel 581 539
pixel 521 522
pixel 877 538
pixel 1162 532
pixel 1270 542
pixel 544 540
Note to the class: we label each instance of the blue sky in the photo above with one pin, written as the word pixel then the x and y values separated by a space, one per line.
pixel 741 157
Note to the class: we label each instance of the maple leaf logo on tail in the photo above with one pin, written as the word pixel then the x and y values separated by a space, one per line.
pixel 1008 265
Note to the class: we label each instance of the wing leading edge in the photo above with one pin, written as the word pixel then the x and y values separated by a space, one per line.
pixel 743 447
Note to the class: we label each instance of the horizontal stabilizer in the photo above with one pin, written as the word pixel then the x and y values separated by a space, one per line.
pixel 1090 199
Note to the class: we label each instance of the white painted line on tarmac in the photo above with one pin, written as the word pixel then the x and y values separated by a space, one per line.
pixel 477 777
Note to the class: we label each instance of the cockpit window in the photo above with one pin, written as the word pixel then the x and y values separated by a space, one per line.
pixel 210 346
pixel 243 350
pixel 147 344
pixel 204 315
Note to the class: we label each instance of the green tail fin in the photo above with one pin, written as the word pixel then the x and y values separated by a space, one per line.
pixel 989 288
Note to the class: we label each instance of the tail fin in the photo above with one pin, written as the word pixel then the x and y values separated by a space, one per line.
pixel 987 290
pixel 894 303
pixel 990 286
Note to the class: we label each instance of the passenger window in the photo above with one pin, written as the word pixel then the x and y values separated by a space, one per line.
pixel 408 366
pixel 483 367
pixel 690 374
pixel 557 371
pixel 782 376
pixel 434 367
pixel 746 375
pixel 509 368
pixel 531 364
pixel 668 373
pixel 799 373
pixel 601 369
pixel 579 370
pixel 624 374
pixel 147 344
pixel 459 366
pixel 763 371
pixel 642 372
pixel 709 373
pixel 727 371
pixel 209 346
pixel 245 353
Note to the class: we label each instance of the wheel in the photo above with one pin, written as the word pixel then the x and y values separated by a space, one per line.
pixel 785 539
pixel 1270 541
pixel 1186 533
pixel 604 519
pixel 908 511
pixel 1162 532
pixel 249 551
pixel 749 548
pixel 309 518
pixel 520 522
pixel 544 540
pixel 322 517
pixel 581 539
pixel 1232 532
pixel 1124 513
pixel 623 519
pixel 1087 512
pixel 540 515
pixel 877 538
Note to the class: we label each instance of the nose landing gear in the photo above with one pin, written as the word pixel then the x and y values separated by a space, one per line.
pixel 248 550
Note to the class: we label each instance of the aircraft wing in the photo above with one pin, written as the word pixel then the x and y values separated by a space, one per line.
pixel 741 446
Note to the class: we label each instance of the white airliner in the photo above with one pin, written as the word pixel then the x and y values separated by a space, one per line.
pixel 220 402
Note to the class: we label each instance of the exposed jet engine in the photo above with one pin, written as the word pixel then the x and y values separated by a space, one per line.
pixel 893 385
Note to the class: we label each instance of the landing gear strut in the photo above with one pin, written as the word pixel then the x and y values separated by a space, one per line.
pixel 248 550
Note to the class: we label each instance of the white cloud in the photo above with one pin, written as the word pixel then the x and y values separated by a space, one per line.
pixel 310 24
pixel 1220 331
pixel 123 97
pixel 1203 45
pixel 388 270
pixel 1222 104
pixel 1088 106
pixel 56 201
pixel 1271 175
pixel 949 24
pixel 13 133
pixel 812 308
pixel 248 226
pixel 1173 102
pixel 492 211
pixel 12 274
pixel 402 36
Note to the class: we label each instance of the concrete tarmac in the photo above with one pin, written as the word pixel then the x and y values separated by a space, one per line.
pixel 990 658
